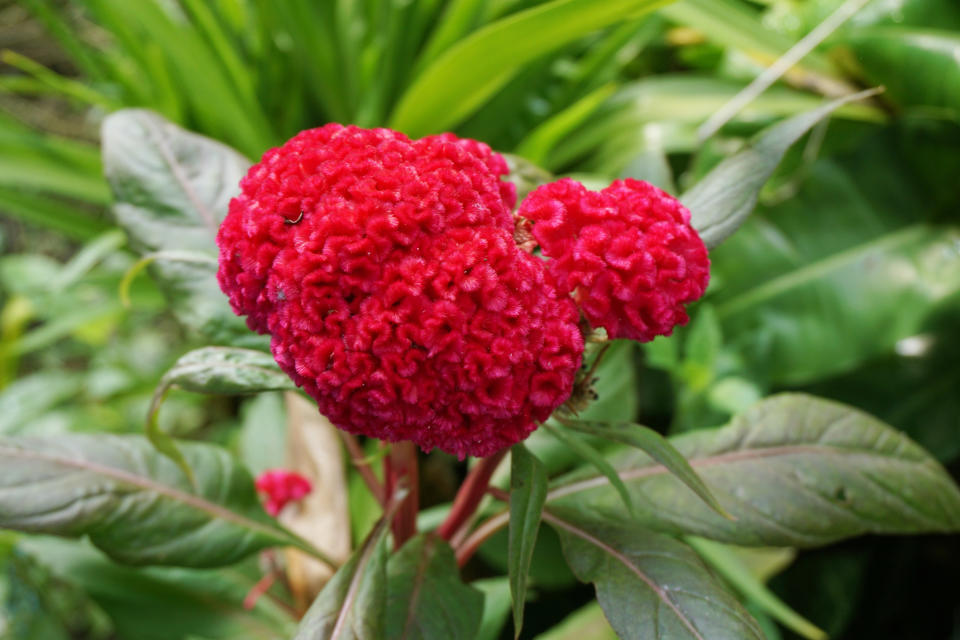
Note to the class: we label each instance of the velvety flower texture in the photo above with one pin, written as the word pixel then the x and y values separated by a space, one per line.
pixel 386 272
pixel 281 487
pixel 627 253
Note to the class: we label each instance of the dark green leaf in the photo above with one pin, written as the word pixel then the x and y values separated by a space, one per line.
pixel 227 371
pixel 799 304
pixel 171 189
pixel 459 81
pixel 658 448
pixel 794 471
pixel 426 599
pixel 723 200
pixel 352 605
pixel 162 603
pixel 918 67
pixel 726 563
pixel 528 491
pixel 133 503
pixel 651 586
pixel 585 452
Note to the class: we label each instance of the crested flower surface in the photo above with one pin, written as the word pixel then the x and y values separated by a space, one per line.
pixel 627 254
pixel 386 273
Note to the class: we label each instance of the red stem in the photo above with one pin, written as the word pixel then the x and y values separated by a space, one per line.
pixel 401 469
pixel 470 493
pixel 480 535
pixel 358 459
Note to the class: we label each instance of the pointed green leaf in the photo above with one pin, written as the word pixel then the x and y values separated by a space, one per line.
pixel 352 605
pixel 732 569
pixel 723 200
pixel 650 586
pixel 460 80
pixel 133 503
pixel 426 599
pixel 528 491
pixel 657 447
pixel 793 470
pixel 171 189
pixel 595 458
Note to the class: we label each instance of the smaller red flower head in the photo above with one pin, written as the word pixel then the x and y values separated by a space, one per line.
pixel 627 253
pixel 281 487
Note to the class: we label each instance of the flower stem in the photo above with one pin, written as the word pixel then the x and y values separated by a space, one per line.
pixel 401 470
pixel 359 461
pixel 480 535
pixel 471 492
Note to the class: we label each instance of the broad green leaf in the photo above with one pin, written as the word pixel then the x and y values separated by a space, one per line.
pixel 585 452
pixel 651 586
pixel 726 563
pixel 226 371
pixel 29 397
pixel 458 82
pixel 722 200
pixel 426 599
pixel 161 603
pixel 798 304
pixel 794 471
pixel 657 447
pixel 528 491
pixel 133 503
pixel 496 606
pixel 214 370
pixel 918 67
pixel 352 605
pixel 171 189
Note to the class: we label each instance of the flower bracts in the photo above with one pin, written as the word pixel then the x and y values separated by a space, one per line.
pixel 388 275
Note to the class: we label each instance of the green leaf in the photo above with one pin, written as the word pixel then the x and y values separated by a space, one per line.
pixel 595 458
pixel 651 586
pixel 658 448
pixel 918 67
pixel 171 190
pixel 723 200
pixel 528 491
pixel 798 304
pixel 458 82
pixel 725 562
pixel 214 370
pixel 352 605
pixel 794 471
pixel 426 599
pixel 496 606
pixel 161 603
pixel 133 503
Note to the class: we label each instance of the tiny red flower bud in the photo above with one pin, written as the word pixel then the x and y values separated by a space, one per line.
pixel 281 487
pixel 627 253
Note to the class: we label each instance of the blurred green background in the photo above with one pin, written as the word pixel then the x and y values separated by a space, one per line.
pixel 844 283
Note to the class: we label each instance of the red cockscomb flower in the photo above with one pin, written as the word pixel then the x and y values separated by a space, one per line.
pixel 386 273
pixel 281 487
pixel 627 253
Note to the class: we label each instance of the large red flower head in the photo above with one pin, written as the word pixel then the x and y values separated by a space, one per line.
pixel 627 253
pixel 386 272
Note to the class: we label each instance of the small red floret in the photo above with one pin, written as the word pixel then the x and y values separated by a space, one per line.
pixel 627 253
pixel 280 487
pixel 386 272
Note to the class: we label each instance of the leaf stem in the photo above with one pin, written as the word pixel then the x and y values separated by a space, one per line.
pixel 400 468
pixel 359 460
pixel 471 492
pixel 480 535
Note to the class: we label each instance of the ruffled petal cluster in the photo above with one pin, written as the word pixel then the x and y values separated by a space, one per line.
pixel 281 487
pixel 386 273
pixel 627 254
